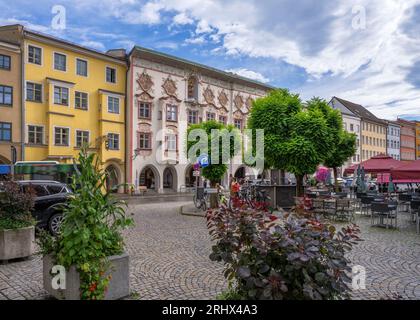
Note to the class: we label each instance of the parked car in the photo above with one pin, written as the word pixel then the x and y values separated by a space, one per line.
pixel 51 196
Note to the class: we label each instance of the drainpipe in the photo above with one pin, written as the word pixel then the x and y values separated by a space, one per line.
pixel 22 97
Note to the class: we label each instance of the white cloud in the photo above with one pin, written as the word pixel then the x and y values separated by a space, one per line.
pixel 182 19
pixel 94 45
pixel 167 45
pixel 249 74
pixel 196 40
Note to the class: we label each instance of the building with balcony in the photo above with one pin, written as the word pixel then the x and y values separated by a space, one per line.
pixel 165 95
pixel 72 96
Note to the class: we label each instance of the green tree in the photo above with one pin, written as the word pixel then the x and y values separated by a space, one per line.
pixel 297 138
pixel 344 143
pixel 215 171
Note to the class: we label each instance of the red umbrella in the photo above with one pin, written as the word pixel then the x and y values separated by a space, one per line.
pixel 377 164
pixel 408 172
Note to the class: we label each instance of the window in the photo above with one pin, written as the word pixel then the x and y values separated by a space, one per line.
pixel 40 190
pixel 192 116
pixel 52 189
pixel 34 55
pixel 144 110
pixel 81 67
pixel 5 131
pixel 4 62
pixel 211 116
pixel 192 88
pixel 351 127
pixel 35 134
pixel 145 141
pixel 111 75
pixel 33 92
pixel 61 95
pixel 171 112
pixel 61 136
pixel 60 61
pixel 81 100
pixel 223 119
pixel 113 141
pixel 6 95
pixel 238 123
pixel 113 105
pixel 82 138
pixel 171 142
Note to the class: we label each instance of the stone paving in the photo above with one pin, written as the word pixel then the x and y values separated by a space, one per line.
pixel 169 260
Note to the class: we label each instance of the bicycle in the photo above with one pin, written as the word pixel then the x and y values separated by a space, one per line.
pixel 200 199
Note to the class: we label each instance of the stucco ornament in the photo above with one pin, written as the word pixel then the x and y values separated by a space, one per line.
pixel 209 96
pixel 238 101
pixel 170 87
pixel 223 99
pixel 145 81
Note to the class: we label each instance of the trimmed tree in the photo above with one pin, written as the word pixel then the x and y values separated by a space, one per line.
pixel 216 170
pixel 344 145
pixel 297 139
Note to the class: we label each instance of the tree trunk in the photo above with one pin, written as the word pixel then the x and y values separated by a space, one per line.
pixel 282 177
pixel 299 186
pixel 213 197
pixel 335 179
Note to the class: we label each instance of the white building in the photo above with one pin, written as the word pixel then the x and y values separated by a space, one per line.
pixel 393 140
pixel 166 94
pixel 352 124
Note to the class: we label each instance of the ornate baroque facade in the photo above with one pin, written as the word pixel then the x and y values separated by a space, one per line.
pixel 166 94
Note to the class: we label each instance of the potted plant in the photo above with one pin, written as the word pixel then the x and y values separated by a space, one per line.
pixel 17 231
pixel 89 245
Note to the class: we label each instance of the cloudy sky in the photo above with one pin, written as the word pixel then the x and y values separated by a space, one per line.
pixel 365 51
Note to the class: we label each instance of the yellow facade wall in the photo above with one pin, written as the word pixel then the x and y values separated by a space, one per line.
pixel 96 119
pixel 373 139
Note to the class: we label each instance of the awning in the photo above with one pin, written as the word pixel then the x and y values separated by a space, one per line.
pixel 378 164
pixel 407 171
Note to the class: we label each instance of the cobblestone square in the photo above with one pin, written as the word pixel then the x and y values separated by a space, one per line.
pixel 169 260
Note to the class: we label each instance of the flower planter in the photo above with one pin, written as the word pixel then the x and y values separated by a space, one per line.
pixel 17 243
pixel 119 286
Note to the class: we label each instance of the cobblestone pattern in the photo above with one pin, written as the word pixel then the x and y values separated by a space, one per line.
pixel 169 260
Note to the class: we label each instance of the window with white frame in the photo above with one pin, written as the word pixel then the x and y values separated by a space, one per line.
pixel 211 116
pixel 34 55
pixel 111 75
pixel 113 104
pixel 61 95
pixel 82 138
pixel 113 141
pixel 171 144
pixel 81 100
pixel 5 62
pixel 238 123
pixel 33 92
pixel 60 61
pixel 145 141
pixel 61 136
pixel 192 116
pixel 144 110
pixel 81 67
pixel 223 119
pixel 35 134
pixel 171 112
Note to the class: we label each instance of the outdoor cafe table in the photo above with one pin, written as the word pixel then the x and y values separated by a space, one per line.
pixel 391 207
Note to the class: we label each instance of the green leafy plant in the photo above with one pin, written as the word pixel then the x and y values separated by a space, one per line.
pixel 291 258
pixel 91 229
pixel 16 205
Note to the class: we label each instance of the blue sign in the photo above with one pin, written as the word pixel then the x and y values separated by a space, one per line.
pixel 203 160
pixel 5 169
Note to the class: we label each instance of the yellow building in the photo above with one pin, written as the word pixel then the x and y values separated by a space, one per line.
pixel 73 95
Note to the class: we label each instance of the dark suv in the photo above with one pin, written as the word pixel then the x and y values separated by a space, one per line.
pixel 49 201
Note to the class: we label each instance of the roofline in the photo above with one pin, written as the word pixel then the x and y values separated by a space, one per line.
pixel 39 36
pixel 202 66
pixel 376 119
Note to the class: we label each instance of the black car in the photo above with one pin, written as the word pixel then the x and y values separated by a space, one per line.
pixel 51 196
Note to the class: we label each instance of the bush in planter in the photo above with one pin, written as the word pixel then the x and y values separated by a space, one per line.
pixel 90 232
pixel 16 206
pixel 292 258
